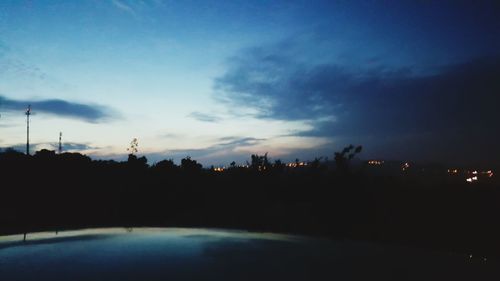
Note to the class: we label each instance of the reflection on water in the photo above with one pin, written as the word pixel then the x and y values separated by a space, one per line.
pixel 206 254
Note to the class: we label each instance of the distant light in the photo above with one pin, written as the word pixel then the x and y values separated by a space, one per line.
pixel 405 166
pixel 489 173
pixel 474 178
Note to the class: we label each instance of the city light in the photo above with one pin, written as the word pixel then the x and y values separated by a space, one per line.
pixel 405 166
pixel 296 164
pixel 471 179
pixel 488 173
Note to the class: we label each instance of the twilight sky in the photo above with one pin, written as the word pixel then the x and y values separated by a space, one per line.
pixel 408 80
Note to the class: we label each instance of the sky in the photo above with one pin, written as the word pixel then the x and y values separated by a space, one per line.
pixel 217 81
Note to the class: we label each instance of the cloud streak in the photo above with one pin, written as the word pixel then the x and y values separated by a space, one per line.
pixel 204 117
pixel 73 146
pixel 136 8
pixel 12 66
pixel 67 146
pixel 225 149
pixel 123 7
pixel 86 112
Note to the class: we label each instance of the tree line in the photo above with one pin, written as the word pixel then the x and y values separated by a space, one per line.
pixel 50 191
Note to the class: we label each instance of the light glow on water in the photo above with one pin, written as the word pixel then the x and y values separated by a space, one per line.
pixel 216 254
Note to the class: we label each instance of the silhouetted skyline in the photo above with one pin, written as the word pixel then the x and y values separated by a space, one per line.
pixel 409 80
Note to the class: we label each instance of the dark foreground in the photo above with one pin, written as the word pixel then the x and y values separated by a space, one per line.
pixel 420 207
pixel 202 254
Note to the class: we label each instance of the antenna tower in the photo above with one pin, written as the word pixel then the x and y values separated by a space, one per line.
pixel 28 113
pixel 60 142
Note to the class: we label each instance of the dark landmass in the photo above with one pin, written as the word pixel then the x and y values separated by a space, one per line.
pixel 426 208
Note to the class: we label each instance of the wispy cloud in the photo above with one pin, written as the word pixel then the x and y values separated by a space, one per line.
pixel 225 149
pixel 170 136
pixel 232 142
pixel 204 117
pixel 121 5
pixel 91 113
pixel 12 65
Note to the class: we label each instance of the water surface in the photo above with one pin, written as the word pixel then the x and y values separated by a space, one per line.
pixel 211 254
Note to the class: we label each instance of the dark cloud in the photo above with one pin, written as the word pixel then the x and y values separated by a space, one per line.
pixel 231 142
pixel 73 146
pixel 459 99
pixel 87 112
pixel 454 106
pixel 204 117
pixel 224 144
pixel 67 146
pixel 224 150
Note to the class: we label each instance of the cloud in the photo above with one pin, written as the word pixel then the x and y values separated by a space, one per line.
pixel 73 146
pixel 225 149
pixel 12 66
pixel 224 144
pixel 123 6
pixel 67 146
pixel 453 103
pixel 170 136
pixel 87 112
pixel 137 9
pixel 204 117
pixel 232 142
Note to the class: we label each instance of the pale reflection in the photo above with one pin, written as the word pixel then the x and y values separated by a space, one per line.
pixel 216 254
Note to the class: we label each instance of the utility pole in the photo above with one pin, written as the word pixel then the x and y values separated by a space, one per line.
pixel 60 142
pixel 28 113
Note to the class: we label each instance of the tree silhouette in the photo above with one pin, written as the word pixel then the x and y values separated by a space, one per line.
pixel 342 158
pixel 189 165
pixel 133 148
pixel 133 160
pixel 316 163
pixel 260 163
pixel 165 165
pixel 137 162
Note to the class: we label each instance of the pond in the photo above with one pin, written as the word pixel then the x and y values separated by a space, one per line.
pixel 216 254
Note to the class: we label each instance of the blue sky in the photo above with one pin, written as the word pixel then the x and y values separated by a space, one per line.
pixel 220 81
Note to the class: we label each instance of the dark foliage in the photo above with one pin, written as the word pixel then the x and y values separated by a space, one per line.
pixel 431 209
